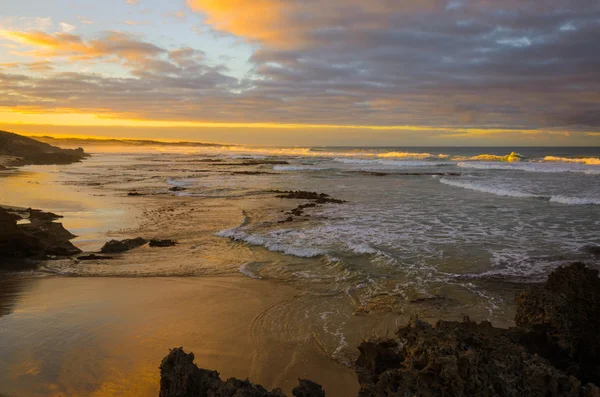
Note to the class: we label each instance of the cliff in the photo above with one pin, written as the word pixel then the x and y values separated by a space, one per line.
pixel 17 150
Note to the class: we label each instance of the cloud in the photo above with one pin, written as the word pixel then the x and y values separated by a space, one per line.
pixel 133 2
pixel 176 14
pixel 67 28
pixel 85 20
pixel 26 23
pixel 475 64
pixel 118 44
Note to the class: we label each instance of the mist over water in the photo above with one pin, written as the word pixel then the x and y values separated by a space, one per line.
pixel 438 232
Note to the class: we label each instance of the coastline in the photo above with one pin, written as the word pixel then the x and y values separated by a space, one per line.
pixel 306 314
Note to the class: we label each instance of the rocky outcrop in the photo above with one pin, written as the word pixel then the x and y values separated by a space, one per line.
pixel 552 353
pixel 38 238
pixel 180 377
pixel 116 246
pixel 563 316
pixel 20 150
pixel 162 243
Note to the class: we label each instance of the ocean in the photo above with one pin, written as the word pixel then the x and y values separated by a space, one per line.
pixel 434 232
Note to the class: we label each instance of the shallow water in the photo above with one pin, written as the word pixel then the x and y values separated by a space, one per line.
pixel 409 241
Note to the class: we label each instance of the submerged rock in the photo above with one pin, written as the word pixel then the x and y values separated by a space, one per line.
pixel 116 246
pixel 162 243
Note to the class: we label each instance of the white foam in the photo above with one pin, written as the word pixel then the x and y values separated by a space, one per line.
pixel 575 200
pixel 530 167
pixel 180 182
pixel 257 240
pixel 247 271
pixel 296 168
pixel 487 189
pixel 393 163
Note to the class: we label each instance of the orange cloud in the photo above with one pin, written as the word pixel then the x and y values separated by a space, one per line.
pixel 291 23
pixel 261 20
pixel 74 47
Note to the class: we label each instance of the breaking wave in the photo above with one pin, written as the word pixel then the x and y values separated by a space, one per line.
pixel 509 158
pixel 488 189
pixel 587 161
pixel 520 194
pixel 239 235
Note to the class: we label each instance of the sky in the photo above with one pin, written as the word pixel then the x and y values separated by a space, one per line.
pixel 304 72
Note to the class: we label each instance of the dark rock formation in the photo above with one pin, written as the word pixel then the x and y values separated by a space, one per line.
pixel 564 315
pixel 177 189
pixel 308 388
pixel 592 249
pixel 459 359
pixel 22 151
pixel 253 162
pixel 134 194
pixel 553 352
pixel 180 377
pixel 37 238
pixel 162 243
pixel 93 257
pixel 116 246
pixel 319 198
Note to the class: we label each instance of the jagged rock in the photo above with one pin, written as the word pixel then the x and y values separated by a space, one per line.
pixel 458 359
pixel 41 215
pixel 134 194
pixel 319 198
pixel 35 239
pixel 592 249
pixel 564 319
pixel 162 243
pixel 92 257
pixel 177 189
pixel 116 246
pixel 308 388
pixel 180 377
pixel 14 242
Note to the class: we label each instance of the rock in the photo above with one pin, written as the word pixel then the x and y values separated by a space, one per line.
pixel 92 257
pixel 35 239
pixel 319 198
pixel 41 215
pixel 457 359
pixel 25 151
pixel 563 317
pixel 592 249
pixel 308 388
pixel 134 194
pixel 162 243
pixel 14 242
pixel 177 189
pixel 116 246
pixel 180 377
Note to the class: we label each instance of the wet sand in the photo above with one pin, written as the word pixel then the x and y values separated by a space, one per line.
pixel 106 336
